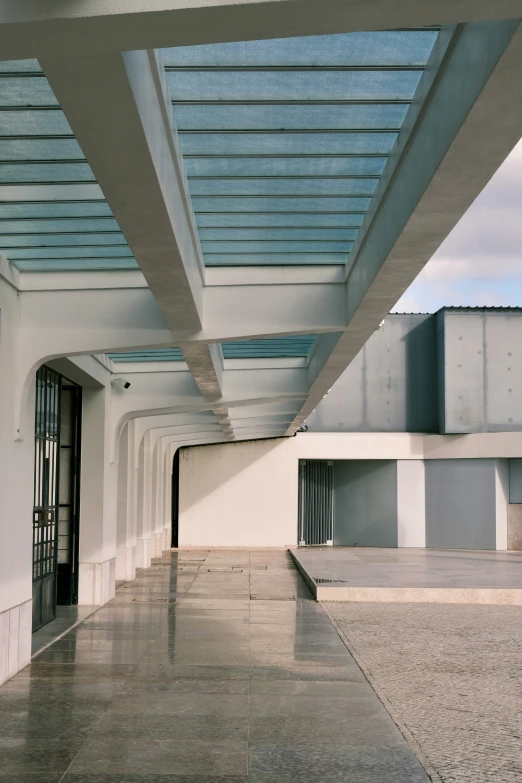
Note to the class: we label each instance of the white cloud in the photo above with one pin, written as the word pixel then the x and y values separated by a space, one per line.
pixel 480 262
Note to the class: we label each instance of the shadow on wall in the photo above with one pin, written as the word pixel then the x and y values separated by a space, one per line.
pixel 221 463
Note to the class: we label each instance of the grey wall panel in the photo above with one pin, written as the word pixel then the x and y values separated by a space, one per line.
pixel 503 352
pixel 365 493
pixel 464 372
pixel 515 480
pixel 391 386
pixel 460 504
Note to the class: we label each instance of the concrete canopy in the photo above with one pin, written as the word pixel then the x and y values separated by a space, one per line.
pixel 452 119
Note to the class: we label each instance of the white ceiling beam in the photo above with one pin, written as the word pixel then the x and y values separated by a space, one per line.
pixel 205 362
pixel 470 123
pixel 67 322
pixel 35 29
pixel 119 109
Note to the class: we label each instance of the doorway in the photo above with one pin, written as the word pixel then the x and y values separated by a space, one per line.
pixel 56 494
pixel 175 500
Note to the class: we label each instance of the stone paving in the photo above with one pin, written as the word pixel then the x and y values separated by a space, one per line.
pixel 210 667
pixel 453 678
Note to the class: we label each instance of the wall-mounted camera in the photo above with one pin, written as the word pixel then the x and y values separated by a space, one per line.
pixel 122 382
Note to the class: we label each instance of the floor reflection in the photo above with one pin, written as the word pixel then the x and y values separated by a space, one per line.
pixel 216 665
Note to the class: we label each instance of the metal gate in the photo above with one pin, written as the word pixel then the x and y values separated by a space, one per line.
pixel 316 508
pixel 45 514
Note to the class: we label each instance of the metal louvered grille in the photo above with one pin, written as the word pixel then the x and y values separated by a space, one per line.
pixel 316 510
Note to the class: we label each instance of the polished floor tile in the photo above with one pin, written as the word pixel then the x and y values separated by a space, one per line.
pixel 211 667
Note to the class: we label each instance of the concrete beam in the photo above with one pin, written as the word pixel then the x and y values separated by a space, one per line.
pixel 471 121
pixel 118 107
pixel 205 362
pixel 35 29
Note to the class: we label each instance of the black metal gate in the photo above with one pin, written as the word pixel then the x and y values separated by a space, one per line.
pixel 69 495
pixel 316 506
pixel 56 494
pixel 46 477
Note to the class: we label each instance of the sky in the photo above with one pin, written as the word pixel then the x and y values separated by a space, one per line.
pixel 480 262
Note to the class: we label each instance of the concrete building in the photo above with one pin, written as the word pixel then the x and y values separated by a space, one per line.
pixel 204 215
pixel 418 444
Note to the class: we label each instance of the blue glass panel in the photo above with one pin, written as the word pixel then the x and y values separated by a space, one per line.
pixel 292 85
pixel 55 209
pixel 69 252
pixel 19 66
pixel 283 167
pixel 286 143
pixel 44 227
pixel 47 172
pixel 40 149
pixel 274 117
pixel 153 355
pixel 267 234
pixel 64 240
pixel 26 91
pixel 223 220
pixel 281 204
pixel 282 187
pixel 317 246
pixel 367 48
pixel 295 346
pixel 274 259
pixel 34 123
pixel 75 265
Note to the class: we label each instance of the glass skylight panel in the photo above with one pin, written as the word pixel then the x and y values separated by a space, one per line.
pixel 287 144
pixel 325 245
pixel 281 204
pixel 65 226
pixel 45 173
pixel 387 116
pixel 153 355
pixel 75 264
pixel 273 259
pixel 389 47
pixel 290 133
pixel 293 85
pixel 269 234
pixel 327 166
pixel 278 347
pixel 221 220
pixel 329 188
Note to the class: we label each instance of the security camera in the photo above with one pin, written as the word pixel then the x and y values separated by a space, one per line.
pixel 123 382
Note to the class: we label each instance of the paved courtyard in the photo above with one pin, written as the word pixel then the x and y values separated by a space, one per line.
pixel 210 667
pixel 453 678
pixel 371 574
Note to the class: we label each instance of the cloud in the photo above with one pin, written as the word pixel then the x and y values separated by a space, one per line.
pixel 480 262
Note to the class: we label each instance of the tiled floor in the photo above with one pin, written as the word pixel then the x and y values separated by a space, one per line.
pixel 211 667
pixel 66 618
pixel 348 570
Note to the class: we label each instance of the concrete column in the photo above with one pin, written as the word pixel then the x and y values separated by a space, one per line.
pixel 97 568
pixel 411 508
pixel 126 527
pixel 501 502
pixel 143 527
pixel 16 498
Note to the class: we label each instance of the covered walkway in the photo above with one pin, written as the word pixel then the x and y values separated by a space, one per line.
pixel 210 667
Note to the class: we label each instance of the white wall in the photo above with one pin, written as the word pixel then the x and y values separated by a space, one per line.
pixel 16 494
pixel 245 493
pixel 411 503
pixel 242 495
pixel 501 502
